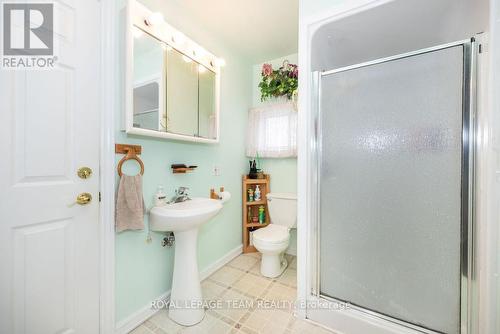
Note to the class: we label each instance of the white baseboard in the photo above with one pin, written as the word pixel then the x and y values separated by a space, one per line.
pixel 212 268
pixel 129 323
pixel 291 251
pixel 292 247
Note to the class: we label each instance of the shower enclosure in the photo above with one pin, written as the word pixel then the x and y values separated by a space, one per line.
pixel 394 156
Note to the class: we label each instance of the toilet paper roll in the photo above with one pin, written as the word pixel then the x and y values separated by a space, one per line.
pixel 225 196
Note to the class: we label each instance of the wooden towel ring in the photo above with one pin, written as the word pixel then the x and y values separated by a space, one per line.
pixel 130 152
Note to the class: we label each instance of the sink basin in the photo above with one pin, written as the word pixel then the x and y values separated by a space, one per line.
pixel 184 219
pixel 183 216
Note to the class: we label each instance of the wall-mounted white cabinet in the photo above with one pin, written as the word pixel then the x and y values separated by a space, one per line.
pixel 172 83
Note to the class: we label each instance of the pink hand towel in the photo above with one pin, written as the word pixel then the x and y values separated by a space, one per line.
pixel 129 204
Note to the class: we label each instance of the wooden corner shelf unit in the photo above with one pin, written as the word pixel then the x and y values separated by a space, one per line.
pixel 251 209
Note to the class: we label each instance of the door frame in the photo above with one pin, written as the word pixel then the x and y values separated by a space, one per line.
pixel 487 253
pixel 305 143
pixel 109 108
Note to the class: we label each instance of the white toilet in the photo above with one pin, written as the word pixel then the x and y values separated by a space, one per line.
pixel 272 240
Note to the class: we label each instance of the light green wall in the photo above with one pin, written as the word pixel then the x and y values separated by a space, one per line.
pixel 283 171
pixel 143 271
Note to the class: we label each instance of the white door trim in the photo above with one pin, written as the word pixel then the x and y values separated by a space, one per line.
pixel 307 28
pixel 109 103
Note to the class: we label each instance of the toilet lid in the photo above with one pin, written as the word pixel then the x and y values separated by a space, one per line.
pixel 272 234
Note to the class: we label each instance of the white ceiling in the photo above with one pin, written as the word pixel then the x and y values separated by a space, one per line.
pixel 397 27
pixel 259 29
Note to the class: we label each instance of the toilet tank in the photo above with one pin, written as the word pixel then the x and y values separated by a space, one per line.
pixel 282 209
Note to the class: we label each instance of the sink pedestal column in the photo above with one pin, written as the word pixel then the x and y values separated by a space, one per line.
pixel 186 299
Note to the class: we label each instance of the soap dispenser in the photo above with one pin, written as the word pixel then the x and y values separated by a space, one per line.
pixel 257 194
pixel 160 197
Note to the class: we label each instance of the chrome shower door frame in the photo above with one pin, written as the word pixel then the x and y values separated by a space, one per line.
pixel 467 190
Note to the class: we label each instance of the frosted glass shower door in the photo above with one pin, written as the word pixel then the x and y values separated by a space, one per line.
pixel 390 204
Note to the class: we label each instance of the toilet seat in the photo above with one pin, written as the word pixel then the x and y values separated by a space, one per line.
pixel 272 234
pixel 272 241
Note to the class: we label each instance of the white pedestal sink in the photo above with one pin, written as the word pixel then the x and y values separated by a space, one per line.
pixel 184 219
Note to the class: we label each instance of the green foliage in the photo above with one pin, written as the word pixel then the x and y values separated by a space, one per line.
pixel 280 82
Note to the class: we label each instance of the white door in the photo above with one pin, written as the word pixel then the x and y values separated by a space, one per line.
pixel 49 246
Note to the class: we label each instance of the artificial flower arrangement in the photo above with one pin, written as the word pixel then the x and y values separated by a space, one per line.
pixel 280 82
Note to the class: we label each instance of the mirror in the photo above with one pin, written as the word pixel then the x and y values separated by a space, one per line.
pixel 187 115
pixel 182 94
pixel 148 83
pixel 172 83
pixel 207 118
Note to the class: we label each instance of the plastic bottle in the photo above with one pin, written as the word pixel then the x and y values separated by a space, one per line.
pixel 160 197
pixel 257 194
pixel 262 215
pixel 250 195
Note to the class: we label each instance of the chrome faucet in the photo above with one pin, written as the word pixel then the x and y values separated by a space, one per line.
pixel 181 195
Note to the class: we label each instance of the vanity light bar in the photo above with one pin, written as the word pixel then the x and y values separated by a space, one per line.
pixel 179 38
pixel 166 47
pixel 220 62
pixel 154 24
pixel 138 33
pixel 154 19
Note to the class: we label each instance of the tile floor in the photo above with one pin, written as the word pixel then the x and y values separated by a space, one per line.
pixel 240 281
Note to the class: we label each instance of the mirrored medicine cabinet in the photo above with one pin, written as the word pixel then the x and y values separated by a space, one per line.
pixel 172 82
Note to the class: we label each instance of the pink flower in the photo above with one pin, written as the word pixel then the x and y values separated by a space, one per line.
pixel 267 70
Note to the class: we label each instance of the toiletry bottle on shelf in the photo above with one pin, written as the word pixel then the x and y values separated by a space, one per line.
pixel 160 197
pixel 256 195
pixel 250 195
pixel 262 215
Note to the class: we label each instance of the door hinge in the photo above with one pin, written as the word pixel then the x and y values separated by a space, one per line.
pixel 99 196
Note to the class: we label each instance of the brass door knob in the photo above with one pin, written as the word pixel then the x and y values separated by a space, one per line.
pixel 83 199
pixel 84 172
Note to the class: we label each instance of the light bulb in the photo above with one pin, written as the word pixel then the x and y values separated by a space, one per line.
pixel 154 19
pixel 179 38
pixel 200 52
pixel 137 32
pixel 220 62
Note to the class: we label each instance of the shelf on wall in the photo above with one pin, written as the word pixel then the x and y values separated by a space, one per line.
pixel 256 181
pixel 256 224
pixel 182 169
pixel 257 203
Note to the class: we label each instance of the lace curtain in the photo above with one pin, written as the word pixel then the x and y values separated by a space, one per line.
pixel 272 131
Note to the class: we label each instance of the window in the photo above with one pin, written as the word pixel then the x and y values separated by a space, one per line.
pixel 272 131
